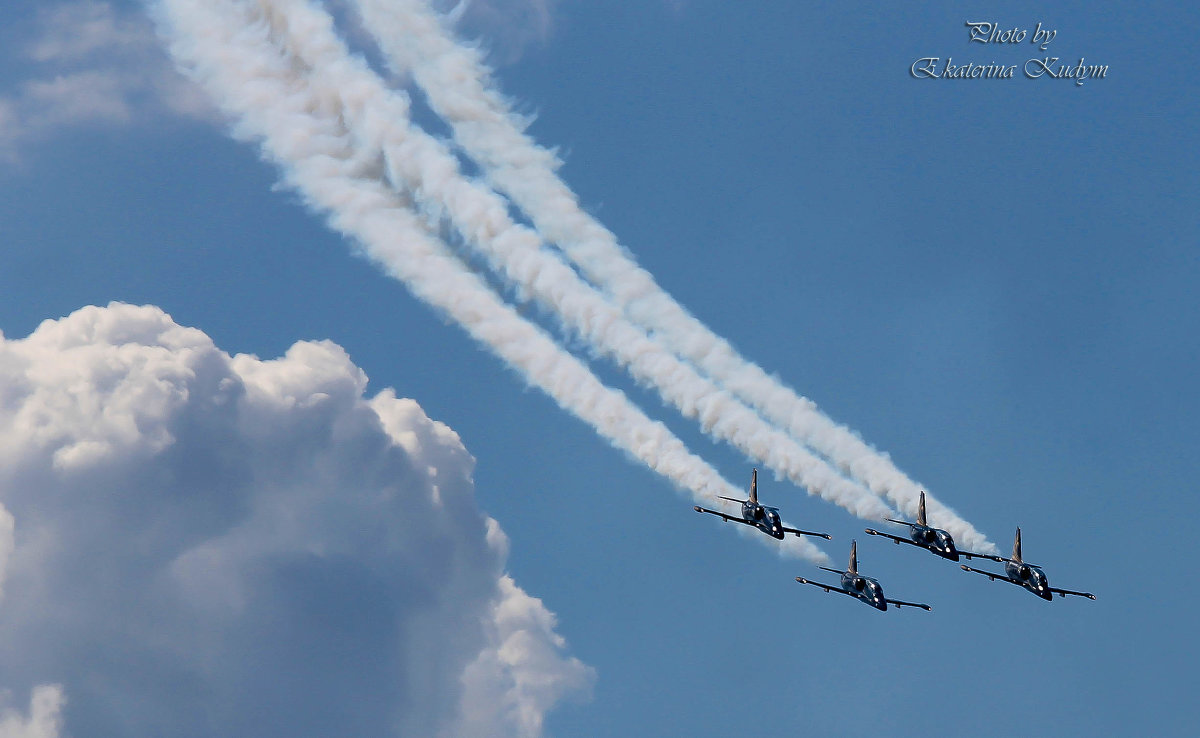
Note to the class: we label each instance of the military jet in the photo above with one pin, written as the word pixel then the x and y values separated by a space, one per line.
pixel 760 516
pixel 1026 575
pixel 864 588
pixel 923 535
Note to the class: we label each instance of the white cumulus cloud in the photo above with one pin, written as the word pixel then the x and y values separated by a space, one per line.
pixel 215 545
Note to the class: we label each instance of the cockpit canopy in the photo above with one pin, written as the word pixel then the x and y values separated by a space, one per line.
pixel 933 538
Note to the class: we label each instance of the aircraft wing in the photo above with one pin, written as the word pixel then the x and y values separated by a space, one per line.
pixel 991 575
pixel 991 557
pixel 826 587
pixel 1000 559
pixel 731 518
pixel 798 532
pixel 1065 592
pixel 897 539
pixel 902 603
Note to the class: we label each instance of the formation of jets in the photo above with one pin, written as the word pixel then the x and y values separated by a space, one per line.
pixel 920 534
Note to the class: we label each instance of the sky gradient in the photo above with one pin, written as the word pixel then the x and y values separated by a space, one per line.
pixel 991 280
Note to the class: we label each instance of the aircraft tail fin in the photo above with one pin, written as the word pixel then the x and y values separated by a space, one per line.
pixel 1017 547
pixel 921 510
pixel 754 486
pixel 853 566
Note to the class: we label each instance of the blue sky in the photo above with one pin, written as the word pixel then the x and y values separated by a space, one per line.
pixel 991 280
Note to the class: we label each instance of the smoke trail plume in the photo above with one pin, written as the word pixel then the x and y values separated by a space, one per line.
pixel 417 163
pixel 228 49
pixel 459 89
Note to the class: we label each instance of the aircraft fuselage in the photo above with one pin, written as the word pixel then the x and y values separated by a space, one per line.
pixel 764 518
pixel 866 589
pixel 1030 577
pixel 936 540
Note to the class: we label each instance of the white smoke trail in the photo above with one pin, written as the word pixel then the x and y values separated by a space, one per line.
pixel 228 50
pixel 458 87
pixel 416 162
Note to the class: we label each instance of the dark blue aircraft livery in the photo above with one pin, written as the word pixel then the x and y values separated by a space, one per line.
pixel 863 588
pixel 762 517
pixel 1026 575
pixel 923 535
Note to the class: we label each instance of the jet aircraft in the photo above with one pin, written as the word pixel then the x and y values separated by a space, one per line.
pixel 923 535
pixel 1026 575
pixel 760 516
pixel 863 588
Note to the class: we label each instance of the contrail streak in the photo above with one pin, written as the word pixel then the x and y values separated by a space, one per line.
pixel 228 50
pixel 418 163
pixel 459 89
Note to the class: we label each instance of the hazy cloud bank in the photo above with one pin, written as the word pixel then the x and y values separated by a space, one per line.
pixel 88 62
